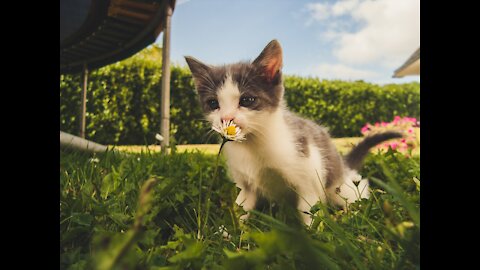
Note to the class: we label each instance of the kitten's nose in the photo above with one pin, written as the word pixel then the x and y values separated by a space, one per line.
pixel 227 118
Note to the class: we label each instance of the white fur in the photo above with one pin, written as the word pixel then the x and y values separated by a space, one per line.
pixel 228 97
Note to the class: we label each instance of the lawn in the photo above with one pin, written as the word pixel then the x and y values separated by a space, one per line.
pixel 342 144
pixel 148 211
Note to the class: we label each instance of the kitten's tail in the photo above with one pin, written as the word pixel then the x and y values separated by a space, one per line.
pixel 354 159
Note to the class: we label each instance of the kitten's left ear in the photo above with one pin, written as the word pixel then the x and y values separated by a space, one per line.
pixel 200 71
pixel 270 60
pixel 196 67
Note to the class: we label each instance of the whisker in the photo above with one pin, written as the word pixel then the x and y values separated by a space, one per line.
pixel 208 135
pixel 258 131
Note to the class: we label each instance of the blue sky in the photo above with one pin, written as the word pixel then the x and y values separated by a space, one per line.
pixel 346 39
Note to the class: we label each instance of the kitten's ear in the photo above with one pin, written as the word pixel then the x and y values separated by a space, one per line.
pixel 199 70
pixel 270 60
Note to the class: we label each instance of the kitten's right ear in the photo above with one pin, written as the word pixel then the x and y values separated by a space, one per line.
pixel 270 60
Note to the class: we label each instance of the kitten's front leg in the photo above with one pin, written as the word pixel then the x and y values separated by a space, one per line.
pixel 304 208
pixel 247 198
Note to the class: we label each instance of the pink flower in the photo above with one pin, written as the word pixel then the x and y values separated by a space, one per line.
pixel 394 145
pixel 406 124
pixel 396 120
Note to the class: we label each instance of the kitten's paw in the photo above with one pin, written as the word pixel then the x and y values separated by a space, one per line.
pixel 307 219
pixel 244 218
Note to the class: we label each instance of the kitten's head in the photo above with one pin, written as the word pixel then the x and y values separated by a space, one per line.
pixel 246 93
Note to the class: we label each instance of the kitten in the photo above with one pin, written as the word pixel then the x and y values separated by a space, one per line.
pixel 284 156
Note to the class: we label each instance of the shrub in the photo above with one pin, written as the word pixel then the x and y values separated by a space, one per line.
pixel 344 107
pixel 123 105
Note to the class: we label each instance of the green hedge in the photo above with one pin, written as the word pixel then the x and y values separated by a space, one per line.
pixel 344 107
pixel 123 104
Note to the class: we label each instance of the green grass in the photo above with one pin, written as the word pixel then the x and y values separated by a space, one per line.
pixel 148 211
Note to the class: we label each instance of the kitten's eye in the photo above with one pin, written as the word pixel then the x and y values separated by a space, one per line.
pixel 247 101
pixel 213 104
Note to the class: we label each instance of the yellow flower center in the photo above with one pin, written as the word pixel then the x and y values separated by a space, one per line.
pixel 230 130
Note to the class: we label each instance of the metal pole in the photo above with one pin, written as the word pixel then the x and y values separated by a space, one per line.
pixel 69 140
pixel 165 102
pixel 83 109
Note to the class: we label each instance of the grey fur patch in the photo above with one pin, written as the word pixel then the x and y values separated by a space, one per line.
pixel 208 79
pixel 311 132
pixel 252 83
pixel 333 160
pixel 302 144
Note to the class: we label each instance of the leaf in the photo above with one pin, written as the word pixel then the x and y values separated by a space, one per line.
pixel 233 255
pixel 417 183
pixel 192 252
pixel 119 218
pixel 121 247
pixel 118 248
pixel 81 219
pixel 79 265
pixel 109 184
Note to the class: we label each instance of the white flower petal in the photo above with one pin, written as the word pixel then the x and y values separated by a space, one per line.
pixel 222 129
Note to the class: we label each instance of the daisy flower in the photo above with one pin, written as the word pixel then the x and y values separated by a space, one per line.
pixel 229 131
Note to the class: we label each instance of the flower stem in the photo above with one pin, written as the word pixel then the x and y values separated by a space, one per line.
pixel 221 146
pixel 215 174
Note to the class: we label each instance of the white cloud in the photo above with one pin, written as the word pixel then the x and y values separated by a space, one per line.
pixel 181 2
pixel 331 35
pixel 323 11
pixel 387 31
pixel 342 72
pixel 318 11
pixel 343 7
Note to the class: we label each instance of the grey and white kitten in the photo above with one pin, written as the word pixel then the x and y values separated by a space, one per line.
pixel 284 156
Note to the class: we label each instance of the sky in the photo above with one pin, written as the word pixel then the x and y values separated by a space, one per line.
pixel 344 39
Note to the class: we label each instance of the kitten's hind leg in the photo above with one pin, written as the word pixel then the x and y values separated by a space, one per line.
pixel 353 188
